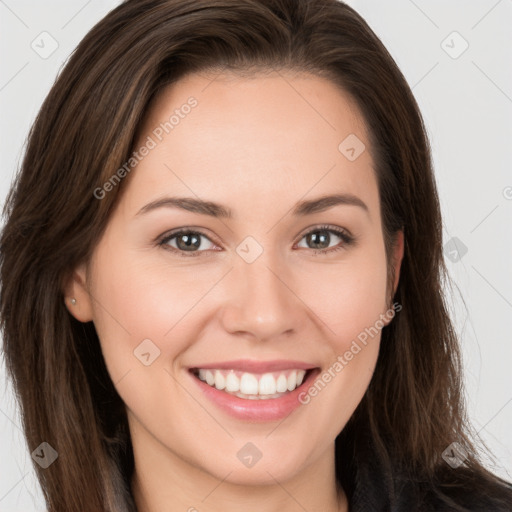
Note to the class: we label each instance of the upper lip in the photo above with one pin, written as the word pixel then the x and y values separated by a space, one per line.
pixel 254 366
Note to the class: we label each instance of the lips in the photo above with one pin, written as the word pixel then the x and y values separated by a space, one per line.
pixel 253 366
pixel 255 390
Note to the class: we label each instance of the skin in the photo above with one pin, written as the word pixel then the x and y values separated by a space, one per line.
pixel 258 146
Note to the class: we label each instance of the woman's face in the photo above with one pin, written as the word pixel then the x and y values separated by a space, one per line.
pixel 286 284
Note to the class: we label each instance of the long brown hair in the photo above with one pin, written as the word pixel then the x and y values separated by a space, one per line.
pixel 85 131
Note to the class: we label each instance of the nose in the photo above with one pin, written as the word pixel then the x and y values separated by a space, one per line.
pixel 261 302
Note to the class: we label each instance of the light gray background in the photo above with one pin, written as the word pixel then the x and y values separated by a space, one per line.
pixel 467 105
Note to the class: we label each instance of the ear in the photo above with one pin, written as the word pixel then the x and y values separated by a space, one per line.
pixel 76 288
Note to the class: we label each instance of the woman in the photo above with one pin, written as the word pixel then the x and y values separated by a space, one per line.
pixel 175 333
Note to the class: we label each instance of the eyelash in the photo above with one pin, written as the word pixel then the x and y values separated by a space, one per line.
pixel 347 239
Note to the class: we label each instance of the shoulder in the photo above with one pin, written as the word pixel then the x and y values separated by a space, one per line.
pixel 452 490
pixel 460 490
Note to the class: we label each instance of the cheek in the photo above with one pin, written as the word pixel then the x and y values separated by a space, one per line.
pixel 348 297
pixel 350 301
pixel 136 301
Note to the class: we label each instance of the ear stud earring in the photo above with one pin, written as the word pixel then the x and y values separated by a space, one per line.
pixel 73 301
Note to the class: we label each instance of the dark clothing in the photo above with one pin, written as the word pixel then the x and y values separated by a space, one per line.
pixel 456 494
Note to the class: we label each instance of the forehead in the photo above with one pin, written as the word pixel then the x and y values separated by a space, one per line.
pixel 274 134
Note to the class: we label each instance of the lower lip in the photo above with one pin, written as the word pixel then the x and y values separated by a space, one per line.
pixel 270 409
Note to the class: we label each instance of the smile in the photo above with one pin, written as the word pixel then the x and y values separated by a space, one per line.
pixel 252 386
pixel 255 391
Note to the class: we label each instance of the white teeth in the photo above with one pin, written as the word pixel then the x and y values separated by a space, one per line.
pixel 220 381
pixel 249 384
pixel 267 384
pixel 281 384
pixel 210 379
pixel 232 382
pixel 253 386
pixel 292 380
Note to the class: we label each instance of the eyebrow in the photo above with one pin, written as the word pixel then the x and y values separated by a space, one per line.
pixel 302 208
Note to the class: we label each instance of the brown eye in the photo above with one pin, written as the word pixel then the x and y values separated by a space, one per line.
pixel 320 239
pixel 186 241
